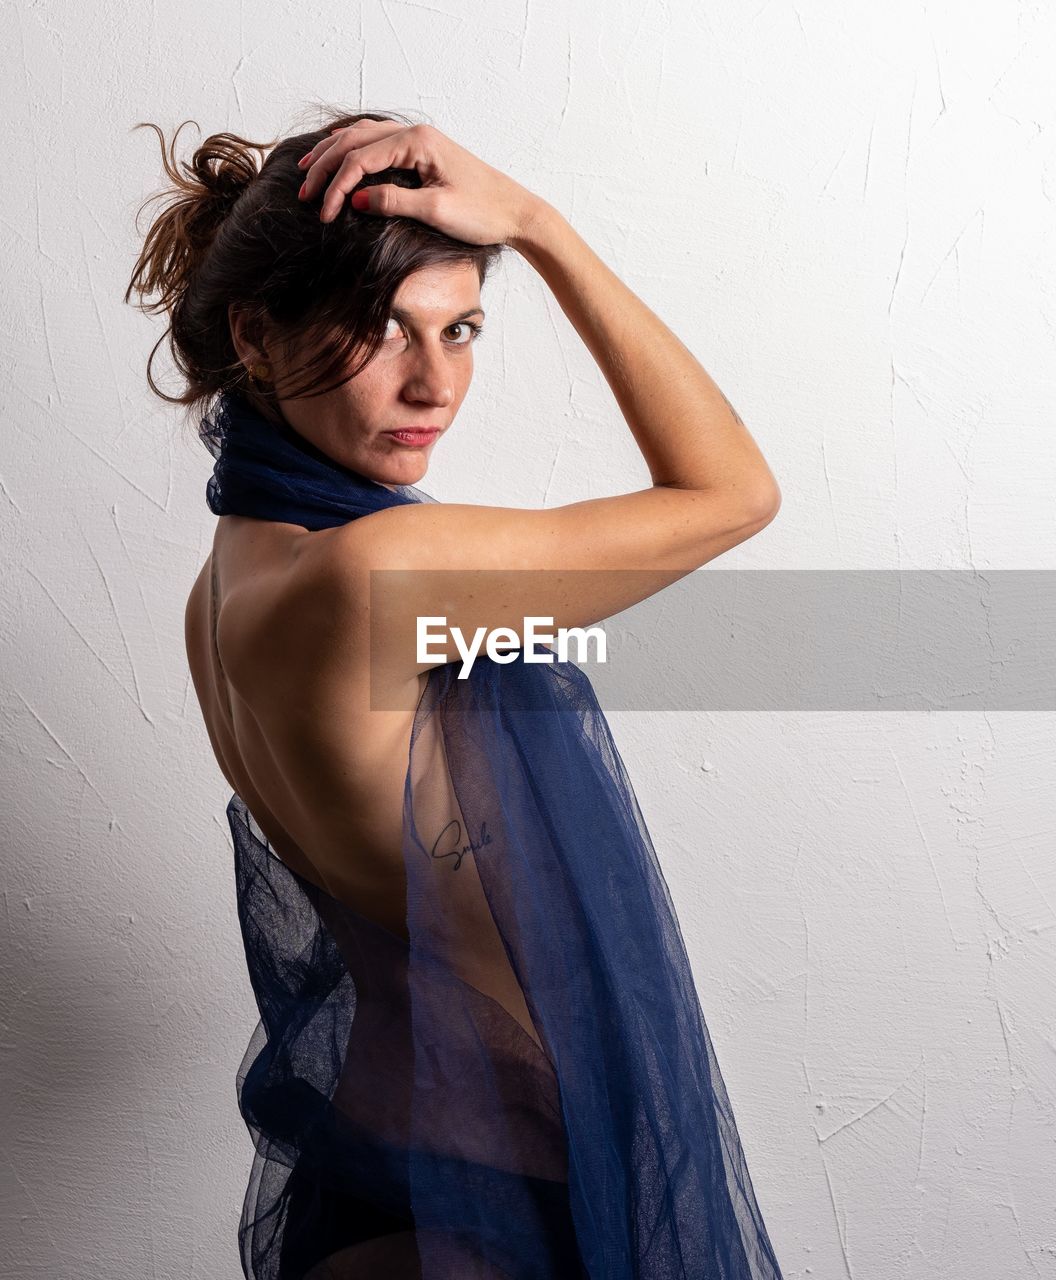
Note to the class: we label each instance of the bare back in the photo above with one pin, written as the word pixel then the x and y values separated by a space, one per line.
pixel 287 713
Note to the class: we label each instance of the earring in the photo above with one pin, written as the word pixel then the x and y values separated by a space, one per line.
pixel 259 372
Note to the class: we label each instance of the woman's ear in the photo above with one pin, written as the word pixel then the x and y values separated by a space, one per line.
pixel 246 335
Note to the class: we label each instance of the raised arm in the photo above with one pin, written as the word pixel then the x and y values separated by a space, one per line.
pixel 712 488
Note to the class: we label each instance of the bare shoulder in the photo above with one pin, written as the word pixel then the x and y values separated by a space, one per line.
pixel 308 636
pixel 425 534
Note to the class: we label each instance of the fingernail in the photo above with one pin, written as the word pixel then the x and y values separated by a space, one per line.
pixel 300 194
pixel 360 199
pixel 306 156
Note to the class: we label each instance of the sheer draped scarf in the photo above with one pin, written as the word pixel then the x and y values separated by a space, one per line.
pixel 525 1086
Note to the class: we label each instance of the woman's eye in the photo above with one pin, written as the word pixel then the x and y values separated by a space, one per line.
pixel 471 330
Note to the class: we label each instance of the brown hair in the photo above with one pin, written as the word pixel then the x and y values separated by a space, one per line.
pixel 236 232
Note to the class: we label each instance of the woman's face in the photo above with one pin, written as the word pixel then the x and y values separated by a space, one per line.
pixel 418 378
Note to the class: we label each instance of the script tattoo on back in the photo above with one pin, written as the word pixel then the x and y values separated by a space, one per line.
pixel 452 837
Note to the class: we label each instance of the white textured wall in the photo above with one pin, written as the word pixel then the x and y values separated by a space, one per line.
pixel 846 210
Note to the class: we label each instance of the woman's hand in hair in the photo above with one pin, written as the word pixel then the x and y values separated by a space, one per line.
pixel 460 194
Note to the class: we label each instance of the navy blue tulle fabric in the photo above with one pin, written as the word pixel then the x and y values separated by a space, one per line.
pixel 524 1086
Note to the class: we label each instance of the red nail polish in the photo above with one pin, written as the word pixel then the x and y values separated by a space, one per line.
pixel 300 194
pixel 304 157
pixel 360 199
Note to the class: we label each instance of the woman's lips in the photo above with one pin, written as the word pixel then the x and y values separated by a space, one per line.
pixel 415 437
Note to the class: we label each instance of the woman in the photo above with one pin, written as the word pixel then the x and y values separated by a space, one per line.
pixel 480 1051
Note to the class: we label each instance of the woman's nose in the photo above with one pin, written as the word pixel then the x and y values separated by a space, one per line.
pixel 430 378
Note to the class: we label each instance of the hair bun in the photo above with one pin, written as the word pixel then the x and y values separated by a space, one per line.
pixel 224 167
